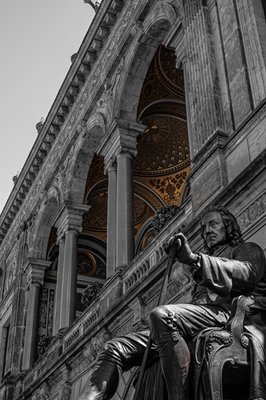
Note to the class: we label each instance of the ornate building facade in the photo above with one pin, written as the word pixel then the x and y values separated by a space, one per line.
pixel 162 113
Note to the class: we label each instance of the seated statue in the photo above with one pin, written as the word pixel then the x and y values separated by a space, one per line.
pixel 229 268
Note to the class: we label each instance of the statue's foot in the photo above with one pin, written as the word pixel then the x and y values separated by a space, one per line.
pixel 91 392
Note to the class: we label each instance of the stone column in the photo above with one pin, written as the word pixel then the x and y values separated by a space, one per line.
pixel 35 271
pixel 208 128
pixel 125 238
pixel 120 145
pixel 59 285
pixel 69 226
pixel 111 219
pixel 202 74
pixel 69 280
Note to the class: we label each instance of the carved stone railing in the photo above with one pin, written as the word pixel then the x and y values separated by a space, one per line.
pixel 148 260
pixel 139 271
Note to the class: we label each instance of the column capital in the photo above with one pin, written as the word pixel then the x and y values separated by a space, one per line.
pixel 211 4
pixel 120 137
pixel 35 270
pixel 71 219
pixel 110 165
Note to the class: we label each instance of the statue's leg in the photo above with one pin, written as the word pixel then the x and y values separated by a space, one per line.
pixel 173 325
pixel 118 355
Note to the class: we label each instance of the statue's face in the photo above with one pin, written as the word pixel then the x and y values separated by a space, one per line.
pixel 213 229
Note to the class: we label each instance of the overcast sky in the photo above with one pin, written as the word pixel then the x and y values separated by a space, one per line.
pixel 37 39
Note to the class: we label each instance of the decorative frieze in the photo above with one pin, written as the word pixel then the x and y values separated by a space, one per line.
pixel 252 212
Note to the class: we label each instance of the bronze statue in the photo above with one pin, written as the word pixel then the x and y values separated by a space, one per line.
pixel 229 268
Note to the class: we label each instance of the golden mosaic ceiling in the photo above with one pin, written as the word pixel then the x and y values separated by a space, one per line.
pixel 163 80
pixel 163 148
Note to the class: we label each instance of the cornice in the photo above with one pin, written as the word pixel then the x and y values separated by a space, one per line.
pixel 61 124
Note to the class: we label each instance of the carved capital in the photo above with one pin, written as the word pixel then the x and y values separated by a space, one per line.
pixel 121 137
pixel 82 128
pixel 70 219
pixel 211 4
pixel 110 165
pixel 125 151
pixel 35 270
pixel 137 29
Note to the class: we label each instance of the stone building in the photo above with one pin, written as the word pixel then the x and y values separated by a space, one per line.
pixel 162 113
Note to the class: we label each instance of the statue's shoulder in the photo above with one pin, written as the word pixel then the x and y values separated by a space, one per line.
pixel 249 248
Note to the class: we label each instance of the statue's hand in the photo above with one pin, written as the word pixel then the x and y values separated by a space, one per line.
pixel 184 253
pixel 172 245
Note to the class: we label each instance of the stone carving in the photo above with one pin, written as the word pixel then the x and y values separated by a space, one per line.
pixel 44 392
pixel 66 392
pixel 252 212
pixel 90 293
pixel 62 173
pixel 45 323
pixel 163 216
pixel 106 102
pixel 93 348
pixel 82 128
pixel 10 274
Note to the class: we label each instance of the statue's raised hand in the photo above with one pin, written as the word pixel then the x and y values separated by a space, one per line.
pixel 183 252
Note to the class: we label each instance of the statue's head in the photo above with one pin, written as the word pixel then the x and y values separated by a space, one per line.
pixel 219 227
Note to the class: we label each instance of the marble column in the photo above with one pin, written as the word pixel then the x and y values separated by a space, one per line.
pixel 111 219
pixel 59 285
pixel 120 145
pixel 69 280
pixel 35 271
pixel 125 240
pixel 69 226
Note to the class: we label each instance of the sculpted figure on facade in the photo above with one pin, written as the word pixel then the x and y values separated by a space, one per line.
pixel 228 269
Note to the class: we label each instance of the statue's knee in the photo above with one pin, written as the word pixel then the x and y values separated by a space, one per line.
pixel 157 315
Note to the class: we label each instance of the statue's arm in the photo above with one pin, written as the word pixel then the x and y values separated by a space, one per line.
pixel 238 275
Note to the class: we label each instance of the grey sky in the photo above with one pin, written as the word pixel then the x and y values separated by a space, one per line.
pixel 37 39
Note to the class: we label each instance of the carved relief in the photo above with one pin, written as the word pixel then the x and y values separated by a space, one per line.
pixel 163 216
pixel 106 102
pixel 93 348
pixel 252 212
pixel 45 323
pixel 10 274
pixel 90 293
pixel 66 392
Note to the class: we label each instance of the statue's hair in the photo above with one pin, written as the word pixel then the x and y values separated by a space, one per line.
pixel 232 228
